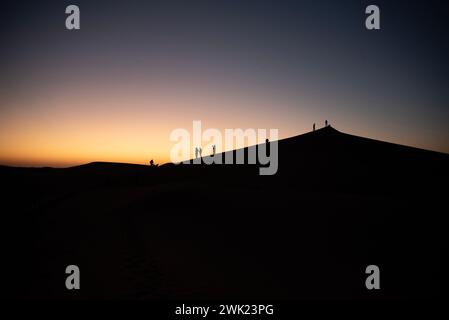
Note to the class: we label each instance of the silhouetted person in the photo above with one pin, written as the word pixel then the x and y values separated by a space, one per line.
pixel 151 163
pixel 314 127
pixel 325 123
pixel 267 145
pixel 213 150
pixel 196 152
pixel 200 151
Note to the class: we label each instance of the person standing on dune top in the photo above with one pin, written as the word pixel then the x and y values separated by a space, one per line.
pixel 325 123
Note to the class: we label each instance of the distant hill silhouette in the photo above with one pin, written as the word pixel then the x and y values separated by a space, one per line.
pixel 337 204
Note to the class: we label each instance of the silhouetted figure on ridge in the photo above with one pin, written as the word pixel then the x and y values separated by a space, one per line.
pixel 200 151
pixel 267 145
pixel 152 164
pixel 213 150
pixel 196 152
pixel 314 127
pixel 325 123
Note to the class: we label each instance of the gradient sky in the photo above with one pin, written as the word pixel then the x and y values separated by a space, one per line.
pixel 114 90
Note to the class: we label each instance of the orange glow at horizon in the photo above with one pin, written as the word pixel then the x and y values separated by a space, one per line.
pixel 117 125
pixel 132 123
